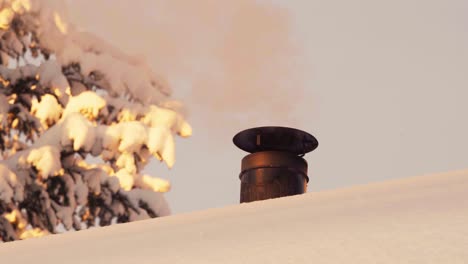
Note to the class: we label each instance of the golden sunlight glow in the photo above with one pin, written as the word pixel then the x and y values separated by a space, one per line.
pixel 20 6
pixel 83 164
pixel 6 15
pixel 4 82
pixel 57 92
pixel 185 130
pixel 15 123
pixel 125 116
pixel 12 99
pixel 36 232
pixel 10 217
pixel 15 217
pixel 61 25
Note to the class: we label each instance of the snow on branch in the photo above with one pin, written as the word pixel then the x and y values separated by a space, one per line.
pixel 65 96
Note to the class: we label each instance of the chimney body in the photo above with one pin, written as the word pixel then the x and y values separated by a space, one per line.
pixel 275 167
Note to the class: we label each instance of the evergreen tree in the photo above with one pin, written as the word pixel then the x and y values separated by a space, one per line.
pixel 79 120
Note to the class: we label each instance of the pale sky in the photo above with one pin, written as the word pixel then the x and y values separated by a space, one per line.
pixel 383 85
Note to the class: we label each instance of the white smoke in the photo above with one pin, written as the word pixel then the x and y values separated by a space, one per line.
pixel 228 58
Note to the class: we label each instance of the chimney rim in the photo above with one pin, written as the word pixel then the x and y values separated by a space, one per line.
pixel 275 138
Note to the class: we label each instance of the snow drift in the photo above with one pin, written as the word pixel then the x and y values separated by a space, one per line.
pixel 414 220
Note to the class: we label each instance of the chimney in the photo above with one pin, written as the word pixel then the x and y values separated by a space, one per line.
pixel 275 167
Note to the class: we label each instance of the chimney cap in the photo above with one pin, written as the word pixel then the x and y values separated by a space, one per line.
pixel 275 138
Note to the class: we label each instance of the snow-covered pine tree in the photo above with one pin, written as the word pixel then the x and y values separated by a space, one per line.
pixel 65 96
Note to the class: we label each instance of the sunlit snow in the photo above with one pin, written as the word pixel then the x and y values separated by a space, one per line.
pixel 66 95
pixel 416 220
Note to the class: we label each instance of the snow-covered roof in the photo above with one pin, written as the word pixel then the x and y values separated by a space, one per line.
pixel 413 220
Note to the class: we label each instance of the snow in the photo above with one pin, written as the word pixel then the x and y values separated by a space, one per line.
pixel 132 136
pixel 126 179
pixel 45 159
pixel 65 214
pixel 414 220
pixel 36 232
pixel 153 183
pixel 48 110
pixel 4 107
pixel 69 94
pixel 125 74
pixel 20 6
pixel 159 207
pixel 7 183
pixel 13 75
pixel 6 15
pixel 87 103
pixel 50 75
pixel 81 193
pixel 78 131
pixel 157 116
pixel 93 178
pixel 129 137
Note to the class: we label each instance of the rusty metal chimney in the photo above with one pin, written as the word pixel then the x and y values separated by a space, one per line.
pixel 275 167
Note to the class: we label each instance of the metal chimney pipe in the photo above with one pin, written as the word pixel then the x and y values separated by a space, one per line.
pixel 275 167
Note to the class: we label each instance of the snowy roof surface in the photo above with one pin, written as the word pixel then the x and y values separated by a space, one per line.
pixel 413 220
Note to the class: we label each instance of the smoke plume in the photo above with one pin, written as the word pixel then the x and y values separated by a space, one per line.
pixel 235 59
